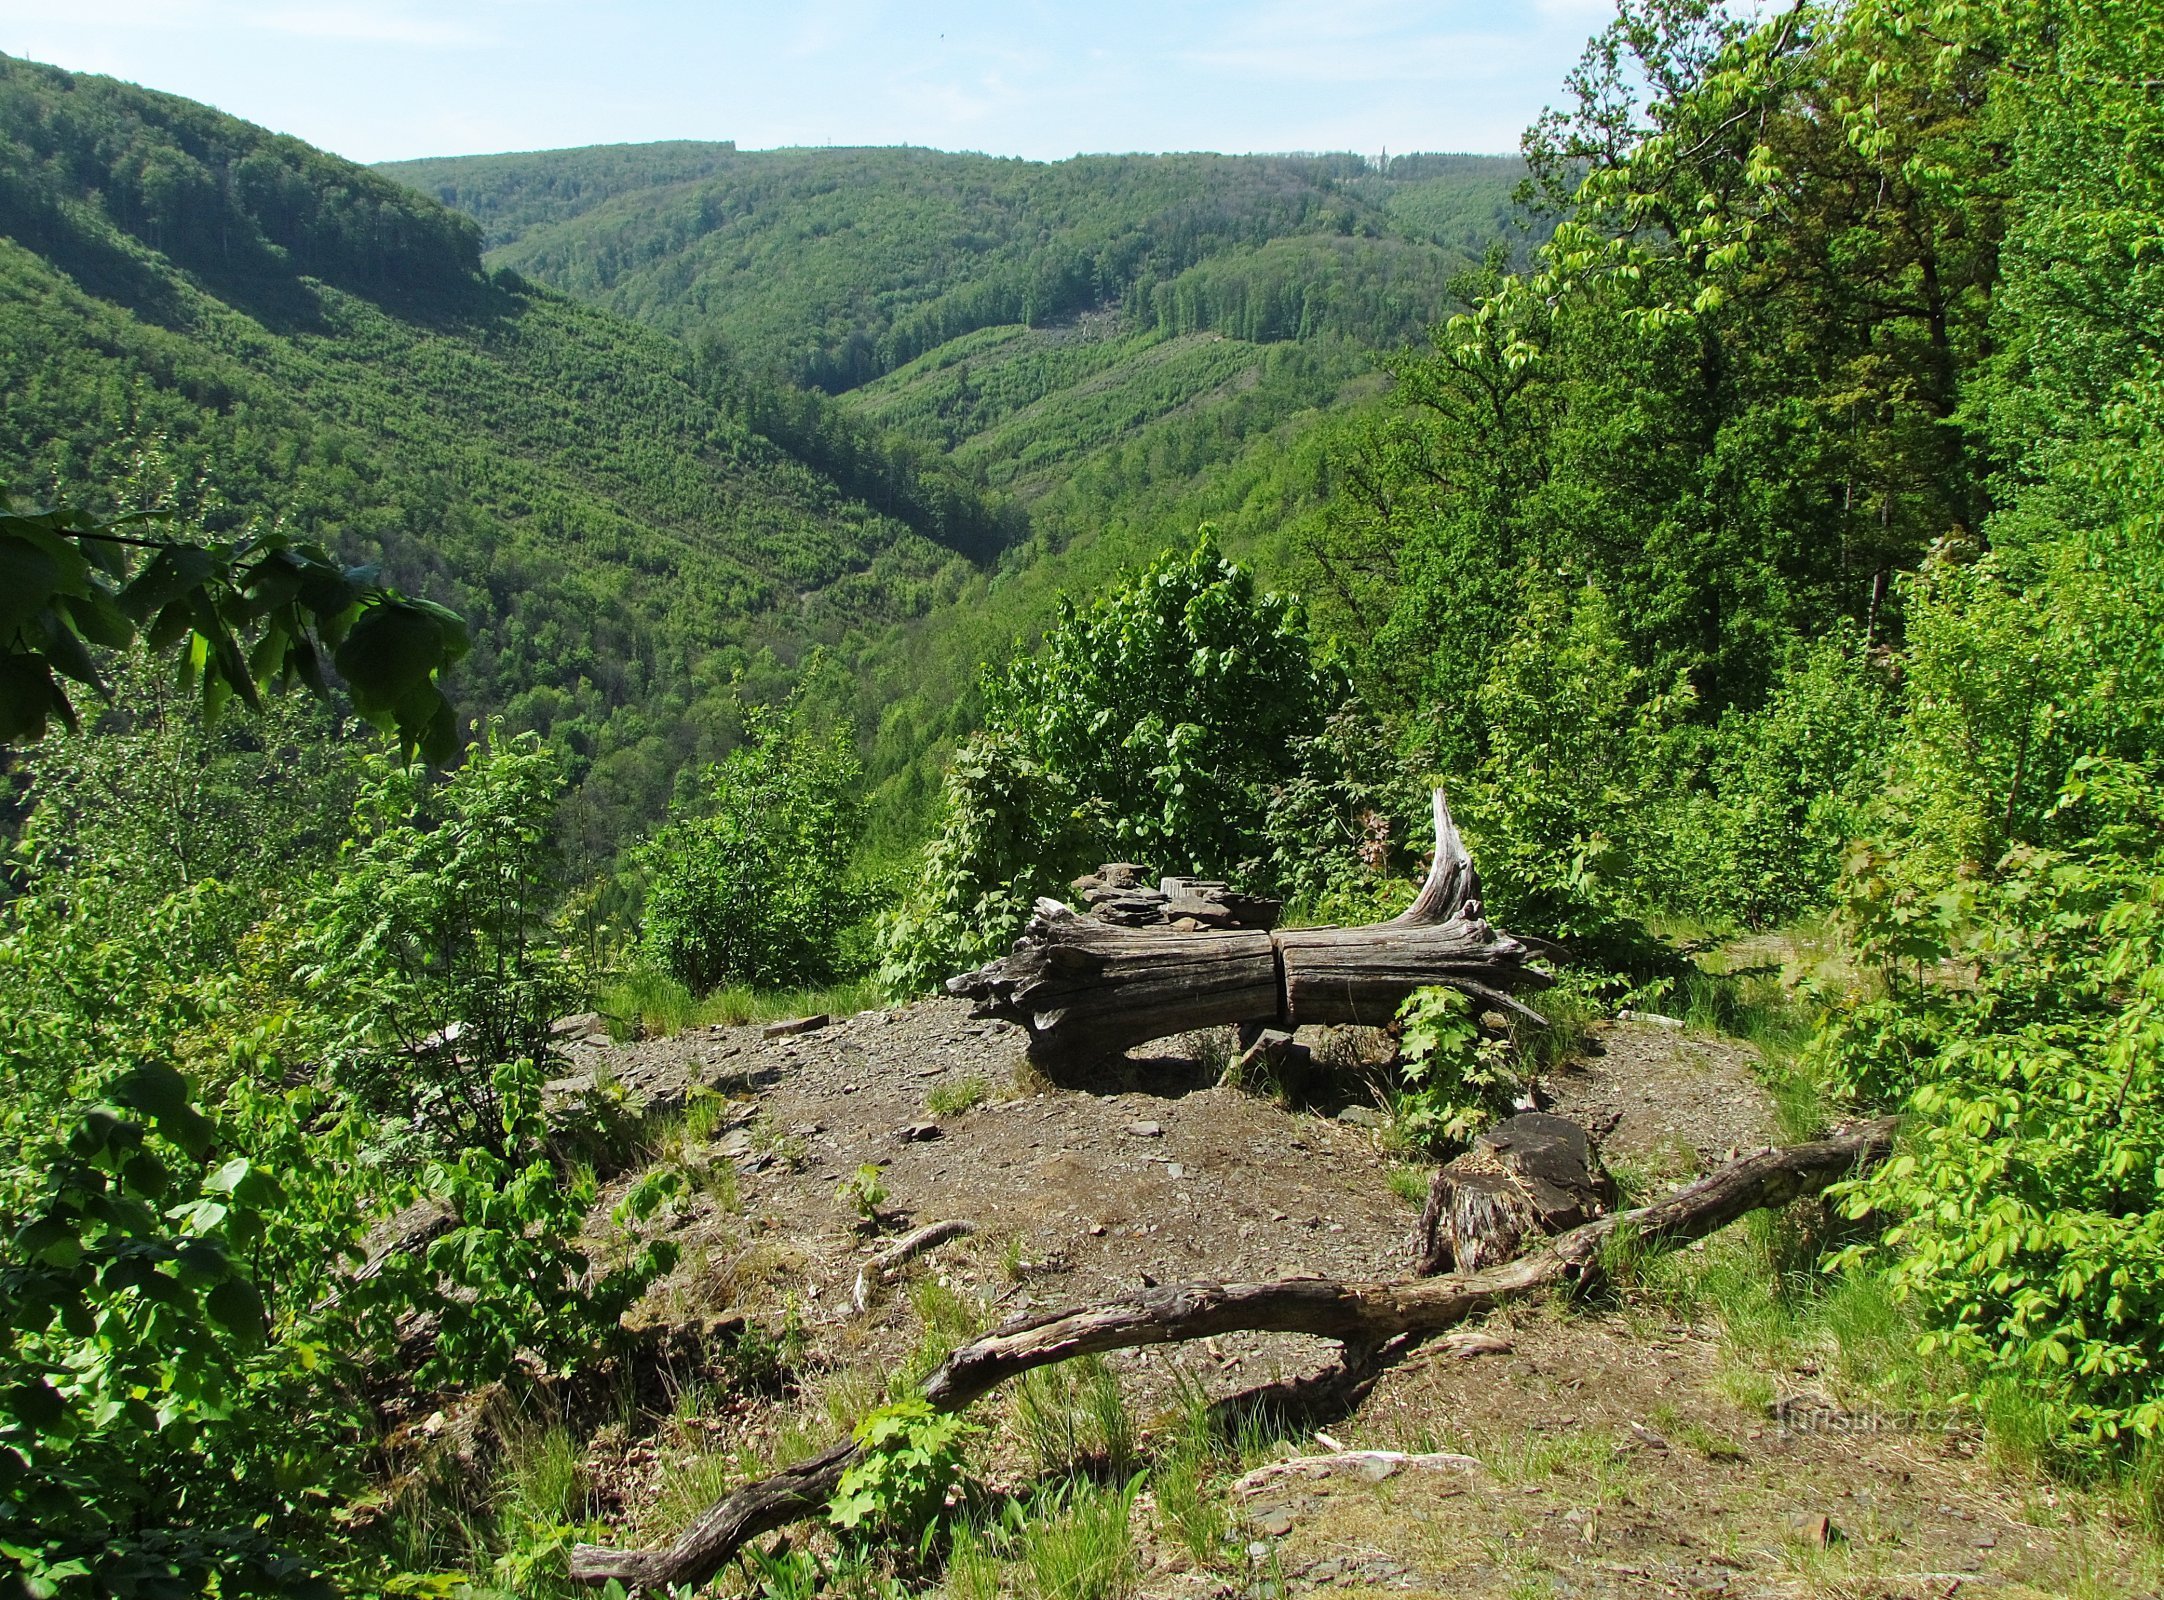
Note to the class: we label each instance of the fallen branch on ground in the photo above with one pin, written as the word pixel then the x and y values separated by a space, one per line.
pixel 1360 1316
pixel 1388 1462
pixel 909 1246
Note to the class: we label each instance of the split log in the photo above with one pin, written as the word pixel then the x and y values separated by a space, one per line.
pixel 1083 985
pixel 1362 1317
pixel 1529 1177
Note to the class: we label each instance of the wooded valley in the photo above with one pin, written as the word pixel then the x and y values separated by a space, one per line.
pixel 526 676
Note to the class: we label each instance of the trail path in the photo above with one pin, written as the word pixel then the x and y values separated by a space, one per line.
pixel 1626 1453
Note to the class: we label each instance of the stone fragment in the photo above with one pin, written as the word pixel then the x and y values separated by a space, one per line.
pixel 1363 1117
pixel 795 1025
pixel 1146 1130
pixel 1812 1528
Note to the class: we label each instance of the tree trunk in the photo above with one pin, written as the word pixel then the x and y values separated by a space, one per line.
pixel 1526 1178
pixel 1363 1317
pixel 1081 986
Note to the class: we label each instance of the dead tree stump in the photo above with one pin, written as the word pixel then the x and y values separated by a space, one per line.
pixel 1526 1179
pixel 1146 965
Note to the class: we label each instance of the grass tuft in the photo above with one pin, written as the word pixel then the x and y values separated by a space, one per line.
pixel 1073 1419
pixel 1410 1184
pixel 644 1003
pixel 1189 1509
pixel 951 1099
pixel 1077 1543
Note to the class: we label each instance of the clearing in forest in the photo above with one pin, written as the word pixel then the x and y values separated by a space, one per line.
pixel 1684 1434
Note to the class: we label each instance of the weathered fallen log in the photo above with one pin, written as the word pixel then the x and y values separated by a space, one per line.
pixel 905 1249
pixel 1527 1177
pixel 1360 1316
pixel 1080 985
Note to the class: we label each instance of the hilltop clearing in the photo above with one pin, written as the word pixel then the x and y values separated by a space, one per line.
pixel 1654 1442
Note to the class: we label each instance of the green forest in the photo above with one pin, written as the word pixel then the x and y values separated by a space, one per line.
pixel 682 588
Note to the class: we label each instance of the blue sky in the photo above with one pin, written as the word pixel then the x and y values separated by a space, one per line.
pixel 380 79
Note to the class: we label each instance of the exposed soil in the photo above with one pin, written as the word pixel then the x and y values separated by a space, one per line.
pixel 1666 1103
pixel 1617 1459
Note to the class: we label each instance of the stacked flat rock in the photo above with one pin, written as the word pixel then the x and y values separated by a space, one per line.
pixel 1120 892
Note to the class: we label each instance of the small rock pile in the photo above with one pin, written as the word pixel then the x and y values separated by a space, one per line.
pixel 1119 892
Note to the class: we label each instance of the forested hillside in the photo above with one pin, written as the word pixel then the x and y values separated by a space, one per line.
pixel 200 315
pixel 1117 348
pixel 1704 684
pixel 835 266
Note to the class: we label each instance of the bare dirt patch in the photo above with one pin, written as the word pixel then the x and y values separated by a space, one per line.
pixel 1617 1459
pixel 1666 1103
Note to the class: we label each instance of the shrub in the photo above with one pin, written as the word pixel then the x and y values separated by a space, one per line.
pixel 754 891
pixel 164 1421
pixel 1791 785
pixel 1154 727
pixel 180 1347
pixel 1566 815
pixel 911 1458
pixel 1457 1080
pixel 430 952
pixel 2027 1202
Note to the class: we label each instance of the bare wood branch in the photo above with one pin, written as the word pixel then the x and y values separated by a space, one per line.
pixel 1452 887
pixel 909 1246
pixel 1359 1315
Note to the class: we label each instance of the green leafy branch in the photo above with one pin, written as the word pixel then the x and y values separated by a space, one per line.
pixel 243 615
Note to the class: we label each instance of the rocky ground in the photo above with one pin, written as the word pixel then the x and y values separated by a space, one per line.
pixel 1621 1452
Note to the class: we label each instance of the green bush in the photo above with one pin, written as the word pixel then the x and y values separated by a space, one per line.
pixel 169 1414
pixel 911 1459
pixel 1791 785
pixel 756 889
pixel 1457 1080
pixel 431 952
pixel 2026 1206
pixel 1156 727
pixel 1567 815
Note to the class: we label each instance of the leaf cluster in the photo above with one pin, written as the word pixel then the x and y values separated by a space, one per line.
pixel 243 615
pixel 910 1463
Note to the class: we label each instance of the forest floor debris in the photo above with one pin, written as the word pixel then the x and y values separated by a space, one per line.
pixel 1626 1450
